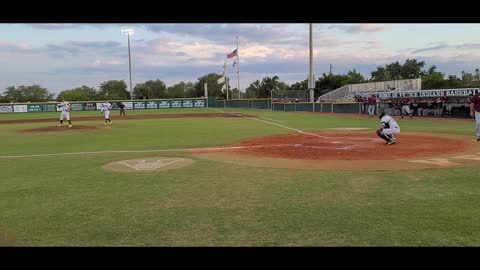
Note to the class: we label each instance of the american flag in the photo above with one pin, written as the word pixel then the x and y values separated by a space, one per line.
pixel 232 54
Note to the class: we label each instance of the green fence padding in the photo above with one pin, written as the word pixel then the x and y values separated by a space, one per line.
pixel 303 107
pixel 278 106
pixel 346 108
pixel 326 107
pixel 290 107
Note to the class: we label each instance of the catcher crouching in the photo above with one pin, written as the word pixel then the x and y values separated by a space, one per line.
pixel 388 127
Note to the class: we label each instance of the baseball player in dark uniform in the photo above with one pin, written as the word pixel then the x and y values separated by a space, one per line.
pixel 475 112
pixel 406 107
pixel 448 105
pixel 122 108
pixel 372 103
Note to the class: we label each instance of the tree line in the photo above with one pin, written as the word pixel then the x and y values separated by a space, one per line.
pixel 411 69
pixel 155 89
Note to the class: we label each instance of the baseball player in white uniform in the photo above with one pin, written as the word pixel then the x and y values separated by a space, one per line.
pixel 388 127
pixel 106 108
pixel 65 107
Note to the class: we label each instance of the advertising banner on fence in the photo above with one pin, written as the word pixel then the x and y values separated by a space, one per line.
pixel 76 106
pixel 164 104
pixel 199 103
pixel 128 105
pixel 49 107
pixel 152 105
pixel 6 108
pixel 89 106
pixel 139 105
pixel 176 103
pixel 187 104
pixel 34 108
pixel 20 108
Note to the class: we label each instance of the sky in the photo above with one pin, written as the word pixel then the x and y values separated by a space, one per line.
pixel 65 56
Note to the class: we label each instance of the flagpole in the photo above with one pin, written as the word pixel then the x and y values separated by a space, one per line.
pixel 238 72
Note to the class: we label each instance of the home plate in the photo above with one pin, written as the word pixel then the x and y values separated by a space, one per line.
pixel 148 164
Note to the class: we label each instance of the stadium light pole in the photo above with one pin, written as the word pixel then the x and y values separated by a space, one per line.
pixel 312 82
pixel 128 32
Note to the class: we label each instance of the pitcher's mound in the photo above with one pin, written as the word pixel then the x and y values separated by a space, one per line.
pixel 59 129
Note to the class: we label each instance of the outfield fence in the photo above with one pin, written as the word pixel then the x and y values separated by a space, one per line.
pixel 96 105
pixel 267 104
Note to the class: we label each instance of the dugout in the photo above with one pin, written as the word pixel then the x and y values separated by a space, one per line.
pixel 428 103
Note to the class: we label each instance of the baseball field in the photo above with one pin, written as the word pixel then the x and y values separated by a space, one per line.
pixel 236 177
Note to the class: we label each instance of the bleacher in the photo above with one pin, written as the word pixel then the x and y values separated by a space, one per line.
pixel 347 93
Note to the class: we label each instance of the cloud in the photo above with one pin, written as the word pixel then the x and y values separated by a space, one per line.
pixel 198 50
pixel 108 62
pixel 226 33
pixel 66 49
pixel 365 28
pixel 21 47
pixel 356 28
pixel 56 26
pixel 443 46
pixel 373 44
pixel 65 26
pixel 326 41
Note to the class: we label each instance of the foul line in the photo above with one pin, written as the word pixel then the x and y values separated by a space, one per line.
pixel 275 124
pixel 298 130
pixel 273 120
pixel 177 150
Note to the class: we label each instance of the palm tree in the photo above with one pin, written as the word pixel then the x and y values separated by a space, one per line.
pixel 355 77
pixel 13 95
pixel 254 89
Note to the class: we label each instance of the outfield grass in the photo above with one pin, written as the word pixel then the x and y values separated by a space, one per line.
pixel 72 201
